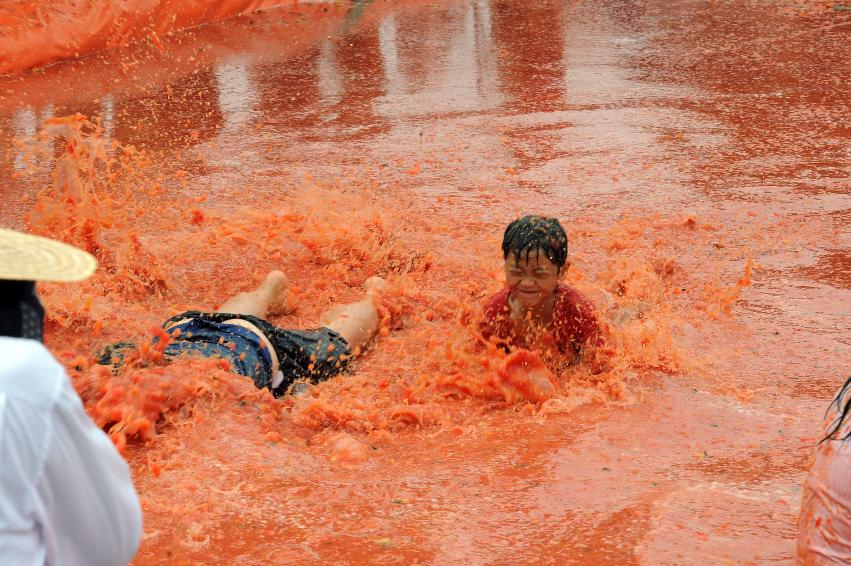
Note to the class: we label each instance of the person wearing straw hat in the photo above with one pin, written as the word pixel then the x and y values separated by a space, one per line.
pixel 66 495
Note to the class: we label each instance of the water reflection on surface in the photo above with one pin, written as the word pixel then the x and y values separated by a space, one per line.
pixel 687 137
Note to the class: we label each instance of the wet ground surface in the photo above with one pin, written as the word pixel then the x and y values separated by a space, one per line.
pixel 698 154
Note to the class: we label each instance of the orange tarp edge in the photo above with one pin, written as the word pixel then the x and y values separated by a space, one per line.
pixel 37 32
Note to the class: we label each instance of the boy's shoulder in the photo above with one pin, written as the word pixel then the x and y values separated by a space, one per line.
pixel 497 302
pixel 570 295
pixel 572 305
pixel 574 316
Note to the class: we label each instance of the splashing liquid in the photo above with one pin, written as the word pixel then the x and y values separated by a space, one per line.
pixel 425 373
pixel 400 143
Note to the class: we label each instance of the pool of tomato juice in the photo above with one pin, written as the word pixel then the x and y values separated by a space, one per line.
pixel 695 153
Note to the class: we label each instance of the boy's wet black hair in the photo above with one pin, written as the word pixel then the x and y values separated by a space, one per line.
pixel 537 234
pixel 843 406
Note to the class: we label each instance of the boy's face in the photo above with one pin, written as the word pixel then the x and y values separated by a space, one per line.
pixel 532 278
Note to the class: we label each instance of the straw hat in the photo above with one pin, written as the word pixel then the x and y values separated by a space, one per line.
pixel 24 257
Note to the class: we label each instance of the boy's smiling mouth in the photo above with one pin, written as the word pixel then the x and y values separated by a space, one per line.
pixel 527 296
pixel 527 292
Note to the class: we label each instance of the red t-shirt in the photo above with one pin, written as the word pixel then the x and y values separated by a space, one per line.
pixel 574 323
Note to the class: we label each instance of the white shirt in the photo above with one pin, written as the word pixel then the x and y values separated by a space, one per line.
pixel 66 496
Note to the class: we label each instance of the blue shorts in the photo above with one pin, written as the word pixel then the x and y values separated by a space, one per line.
pixel 247 354
pixel 316 354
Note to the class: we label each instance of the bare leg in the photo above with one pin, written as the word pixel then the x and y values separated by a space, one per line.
pixel 270 294
pixel 357 322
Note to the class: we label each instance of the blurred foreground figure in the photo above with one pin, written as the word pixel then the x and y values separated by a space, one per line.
pixel 824 526
pixel 66 496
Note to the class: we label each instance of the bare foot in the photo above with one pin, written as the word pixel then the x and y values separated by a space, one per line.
pixel 375 285
pixel 300 389
pixel 276 284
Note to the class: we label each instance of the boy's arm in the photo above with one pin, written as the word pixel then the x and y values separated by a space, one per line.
pixel 596 353
pixel 495 327
pixel 494 317
pixel 589 337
